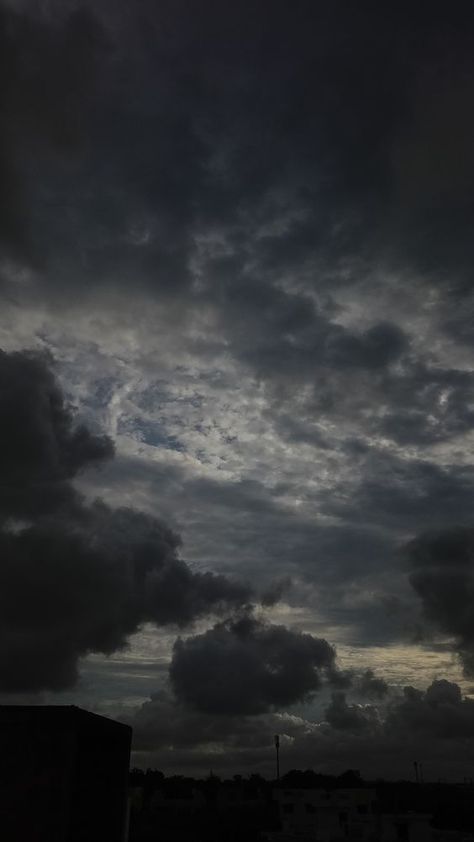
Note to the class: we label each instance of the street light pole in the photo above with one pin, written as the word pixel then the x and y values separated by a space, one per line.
pixel 277 747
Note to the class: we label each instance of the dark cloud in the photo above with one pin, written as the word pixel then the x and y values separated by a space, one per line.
pixel 372 382
pixel 247 667
pixel 176 122
pixel 439 713
pixel 164 721
pixel 275 591
pixel 293 188
pixel 76 578
pixel 371 686
pixel 442 575
pixel 381 345
pixel 346 717
pixel 399 493
pixel 49 69
pixel 188 159
pixel 435 725
pixel 42 447
pixel 83 583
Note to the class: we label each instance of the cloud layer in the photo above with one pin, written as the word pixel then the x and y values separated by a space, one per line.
pixel 442 574
pixel 435 726
pixel 76 577
pixel 245 237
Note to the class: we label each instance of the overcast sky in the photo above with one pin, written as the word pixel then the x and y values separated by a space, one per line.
pixel 237 380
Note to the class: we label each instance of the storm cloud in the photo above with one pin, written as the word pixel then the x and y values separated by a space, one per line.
pixel 76 577
pixel 244 235
pixel 370 685
pixel 349 717
pixel 213 126
pixel 435 725
pixel 248 667
pixel 442 575
pixel 42 448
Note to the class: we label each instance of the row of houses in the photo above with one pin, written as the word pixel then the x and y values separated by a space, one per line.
pixel 64 777
pixel 344 814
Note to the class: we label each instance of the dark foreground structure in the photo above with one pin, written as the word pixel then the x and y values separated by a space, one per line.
pixel 63 775
pixel 302 806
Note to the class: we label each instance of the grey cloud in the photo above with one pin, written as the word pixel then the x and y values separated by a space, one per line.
pixel 46 61
pixel 245 666
pixel 346 717
pixel 164 721
pixel 373 384
pixel 439 713
pixel 41 446
pixel 76 577
pixel 84 582
pixel 442 574
pixel 428 404
pixel 340 571
pixel 190 121
pixel 435 725
pixel 371 686
pixel 380 345
pixel 282 335
pixel 167 158
pixel 199 159
pixel 275 591
pixel 402 493
pixel 422 404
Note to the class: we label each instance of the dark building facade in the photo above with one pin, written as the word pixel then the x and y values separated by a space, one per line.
pixel 63 775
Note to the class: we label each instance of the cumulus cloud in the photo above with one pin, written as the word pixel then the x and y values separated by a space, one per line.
pixel 247 666
pixel 435 725
pixel 442 575
pixel 370 685
pixel 76 577
pixel 438 713
pixel 349 717
pixel 42 448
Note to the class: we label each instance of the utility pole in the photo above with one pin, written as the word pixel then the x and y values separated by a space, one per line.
pixel 277 747
pixel 415 764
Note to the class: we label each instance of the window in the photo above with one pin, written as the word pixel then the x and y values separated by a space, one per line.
pixel 310 808
pixel 288 808
pixel 362 809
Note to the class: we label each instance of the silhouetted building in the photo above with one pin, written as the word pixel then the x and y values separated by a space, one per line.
pixel 63 775
pixel 344 815
pixel 326 815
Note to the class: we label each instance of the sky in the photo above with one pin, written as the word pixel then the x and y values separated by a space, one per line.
pixel 237 380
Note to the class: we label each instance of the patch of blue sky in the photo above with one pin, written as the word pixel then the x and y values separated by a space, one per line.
pixel 104 391
pixel 153 434
pixel 161 394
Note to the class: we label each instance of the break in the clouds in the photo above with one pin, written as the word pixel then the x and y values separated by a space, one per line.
pixel 76 577
pixel 245 237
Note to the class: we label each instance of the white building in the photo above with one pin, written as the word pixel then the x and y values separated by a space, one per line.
pixel 337 815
